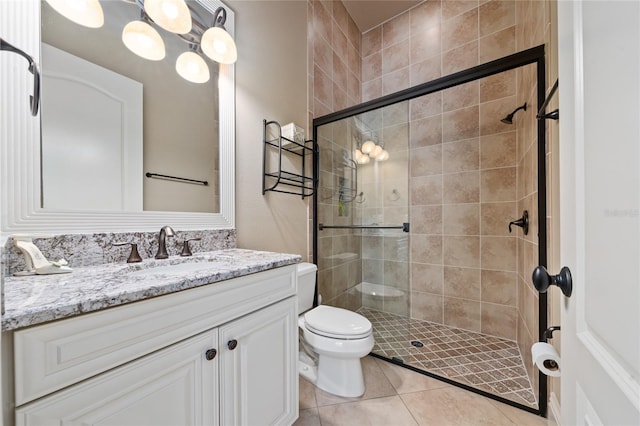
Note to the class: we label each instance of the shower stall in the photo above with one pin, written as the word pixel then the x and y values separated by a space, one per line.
pixel 419 224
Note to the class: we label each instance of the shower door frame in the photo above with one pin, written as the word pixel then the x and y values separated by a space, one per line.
pixel 534 55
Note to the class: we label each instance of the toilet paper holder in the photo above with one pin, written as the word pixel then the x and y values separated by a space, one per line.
pixel 548 333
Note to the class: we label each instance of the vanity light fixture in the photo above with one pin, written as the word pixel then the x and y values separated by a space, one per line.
pixel 217 43
pixel 368 147
pixel 83 12
pixel 143 40
pixel 171 15
pixel 192 67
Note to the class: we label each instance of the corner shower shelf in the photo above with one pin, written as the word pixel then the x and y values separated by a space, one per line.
pixel 279 147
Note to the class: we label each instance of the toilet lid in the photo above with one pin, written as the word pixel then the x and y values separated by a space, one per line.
pixel 337 323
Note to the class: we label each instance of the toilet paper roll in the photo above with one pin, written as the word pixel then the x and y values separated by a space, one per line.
pixel 546 359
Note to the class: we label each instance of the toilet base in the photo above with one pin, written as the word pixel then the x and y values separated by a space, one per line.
pixel 339 376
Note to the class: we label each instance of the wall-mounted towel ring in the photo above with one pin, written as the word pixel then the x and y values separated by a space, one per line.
pixel 360 198
pixel 395 195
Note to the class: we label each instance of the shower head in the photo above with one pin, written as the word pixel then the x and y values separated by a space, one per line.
pixel 509 118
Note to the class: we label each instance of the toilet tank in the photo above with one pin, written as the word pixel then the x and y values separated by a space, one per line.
pixel 306 286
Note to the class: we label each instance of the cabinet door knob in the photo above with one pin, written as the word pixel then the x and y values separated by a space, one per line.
pixel 232 344
pixel 210 354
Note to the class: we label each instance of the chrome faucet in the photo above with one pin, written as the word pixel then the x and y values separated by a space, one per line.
pixel 165 231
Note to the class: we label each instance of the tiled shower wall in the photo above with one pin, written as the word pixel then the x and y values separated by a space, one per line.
pixel 334 83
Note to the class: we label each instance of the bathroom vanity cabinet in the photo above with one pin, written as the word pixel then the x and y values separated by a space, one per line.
pixel 224 353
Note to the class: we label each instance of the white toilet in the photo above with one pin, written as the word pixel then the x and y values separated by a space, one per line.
pixel 337 337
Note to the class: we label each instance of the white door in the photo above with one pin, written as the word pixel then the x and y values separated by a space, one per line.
pixel 177 385
pixel 259 367
pixel 599 55
pixel 92 135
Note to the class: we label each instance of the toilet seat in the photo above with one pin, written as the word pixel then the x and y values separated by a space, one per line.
pixel 337 323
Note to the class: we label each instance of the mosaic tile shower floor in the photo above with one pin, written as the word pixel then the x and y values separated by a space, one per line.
pixel 485 362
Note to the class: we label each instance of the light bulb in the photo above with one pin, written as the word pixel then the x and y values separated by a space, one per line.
pixel 192 67
pixel 143 40
pixel 217 44
pixel 364 159
pixel 357 154
pixel 368 146
pixel 384 155
pixel 377 150
pixel 83 12
pixel 172 15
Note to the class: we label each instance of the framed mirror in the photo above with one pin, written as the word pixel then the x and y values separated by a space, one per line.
pixel 32 201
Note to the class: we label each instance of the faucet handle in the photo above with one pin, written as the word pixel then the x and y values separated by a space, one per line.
pixel 134 256
pixel 186 251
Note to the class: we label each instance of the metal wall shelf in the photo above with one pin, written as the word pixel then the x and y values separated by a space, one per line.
pixel 274 177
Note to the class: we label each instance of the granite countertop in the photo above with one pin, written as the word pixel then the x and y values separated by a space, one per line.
pixel 37 299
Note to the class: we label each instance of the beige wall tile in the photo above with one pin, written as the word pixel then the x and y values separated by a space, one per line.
pixel 426 190
pixel 426 131
pixel 427 15
pixel 461 219
pixel 462 282
pixel 499 287
pixel 493 111
pixel 395 57
pixel 499 320
pixel 462 313
pixel 461 187
pixel 460 30
pixel 498 150
pixel 425 43
pixel 498 86
pixel 427 307
pixel 460 124
pixel 460 58
pixel 426 106
pixel 499 253
pixel 340 73
pixel 322 20
pixel 495 218
pixel 462 96
pixel 498 184
pixel 323 54
pixel 395 81
pixel 426 248
pixel 426 161
pixel 426 278
pixel 461 251
pixel 497 45
pixel 339 42
pixel 461 156
pixel 451 8
pixel 396 30
pixel 496 15
pixel 427 70
pixel 371 90
pixel 371 67
pixel 426 219
pixel 371 41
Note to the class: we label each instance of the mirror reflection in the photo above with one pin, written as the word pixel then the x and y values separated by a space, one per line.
pixel 110 117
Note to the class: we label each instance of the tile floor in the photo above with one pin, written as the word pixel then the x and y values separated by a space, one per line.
pixel 397 396
pixel 485 362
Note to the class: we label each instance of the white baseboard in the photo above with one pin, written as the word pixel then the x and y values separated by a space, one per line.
pixel 554 417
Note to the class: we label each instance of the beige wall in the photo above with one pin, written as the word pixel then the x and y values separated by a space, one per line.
pixel 270 84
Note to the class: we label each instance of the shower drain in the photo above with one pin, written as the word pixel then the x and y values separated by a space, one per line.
pixel 417 343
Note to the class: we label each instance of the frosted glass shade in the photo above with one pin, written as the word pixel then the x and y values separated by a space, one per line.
pixel 383 156
pixel 376 151
pixel 171 15
pixel 192 67
pixel 217 44
pixel 367 147
pixel 83 12
pixel 143 40
pixel 363 160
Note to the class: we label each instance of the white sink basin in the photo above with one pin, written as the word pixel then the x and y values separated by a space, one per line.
pixel 175 269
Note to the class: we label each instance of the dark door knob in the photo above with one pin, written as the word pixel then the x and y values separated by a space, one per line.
pixel 232 344
pixel 542 280
pixel 210 354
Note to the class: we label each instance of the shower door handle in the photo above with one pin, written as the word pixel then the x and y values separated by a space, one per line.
pixel 542 280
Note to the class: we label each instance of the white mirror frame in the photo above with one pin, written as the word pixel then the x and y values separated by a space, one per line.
pixel 20 186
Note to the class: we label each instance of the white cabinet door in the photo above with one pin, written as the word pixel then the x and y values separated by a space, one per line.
pixel 175 386
pixel 599 58
pixel 258 362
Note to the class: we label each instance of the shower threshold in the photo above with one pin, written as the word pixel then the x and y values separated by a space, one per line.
pixel 488 364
